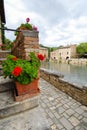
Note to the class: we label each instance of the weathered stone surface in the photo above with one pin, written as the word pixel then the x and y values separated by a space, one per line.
pixel 66 123
pixel 26 42
pixel 9 107
pixel 71 114
pixel 1 60
pixel 77 92
pixel 6 86
pixel 30 33
pixel 29 120
pixel 4 80
pixel 4 53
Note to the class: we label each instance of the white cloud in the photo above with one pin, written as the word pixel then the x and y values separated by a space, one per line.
pixel 74 32
pixel 60 23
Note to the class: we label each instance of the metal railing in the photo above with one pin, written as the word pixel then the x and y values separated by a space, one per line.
pixel 8 29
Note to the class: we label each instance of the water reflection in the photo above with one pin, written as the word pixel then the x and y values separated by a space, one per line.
pixel 72 73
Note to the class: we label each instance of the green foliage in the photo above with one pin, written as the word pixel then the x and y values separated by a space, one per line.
pixel 16 33
pixel 24 26
pixel 27 25
pixel 50 49
pixel 8 43
pixel 29 68
pixel 82 48
pixel 34 60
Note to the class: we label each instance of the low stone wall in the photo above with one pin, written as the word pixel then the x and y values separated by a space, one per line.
pixel 75 61
pixel 79 61
pixel 76 92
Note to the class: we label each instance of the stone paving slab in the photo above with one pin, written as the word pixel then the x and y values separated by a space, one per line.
pixel 56 111
pixel 10 107
pixel 62 111
pixel 29 120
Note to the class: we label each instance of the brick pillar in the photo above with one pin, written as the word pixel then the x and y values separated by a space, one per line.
pixel 31 43
pixel 27 41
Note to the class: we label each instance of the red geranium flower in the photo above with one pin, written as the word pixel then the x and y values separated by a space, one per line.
pixel 14 58
pixel 40 56
pixel 17 71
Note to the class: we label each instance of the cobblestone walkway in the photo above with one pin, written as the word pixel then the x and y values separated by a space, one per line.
pixel 56 111
pixel 62 112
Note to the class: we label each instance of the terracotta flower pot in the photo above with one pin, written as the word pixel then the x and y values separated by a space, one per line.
pixel 30 88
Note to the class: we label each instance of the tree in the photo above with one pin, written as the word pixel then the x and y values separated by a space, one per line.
pixel 82 48
pixel 7 42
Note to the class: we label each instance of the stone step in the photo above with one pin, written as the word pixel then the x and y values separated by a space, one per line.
pixel 5 84
pixel 4 53
pixel 1 60
pixel 8 105
pixel 4 80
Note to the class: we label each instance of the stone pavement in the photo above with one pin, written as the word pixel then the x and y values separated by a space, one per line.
pixel 56 111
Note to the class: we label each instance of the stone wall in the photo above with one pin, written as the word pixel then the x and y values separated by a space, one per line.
pixel 76 92
pixel 74 61
pixel 78 61
pixel 26 41
pixel 4 53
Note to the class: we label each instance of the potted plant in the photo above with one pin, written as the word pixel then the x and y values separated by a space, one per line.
pixel 26 26
pixel 23 72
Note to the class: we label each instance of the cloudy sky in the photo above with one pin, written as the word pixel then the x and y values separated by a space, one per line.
pixel 60 22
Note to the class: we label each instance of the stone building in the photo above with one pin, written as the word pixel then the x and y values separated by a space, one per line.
pixel 54 55
pixel 2 17
pixel 64 53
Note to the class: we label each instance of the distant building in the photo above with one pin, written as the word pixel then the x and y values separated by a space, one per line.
pixel 2 17
pixel 44 51
pixel 54 55
pixel 64 53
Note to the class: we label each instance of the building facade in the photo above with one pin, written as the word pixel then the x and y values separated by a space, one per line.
pixel 64 53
